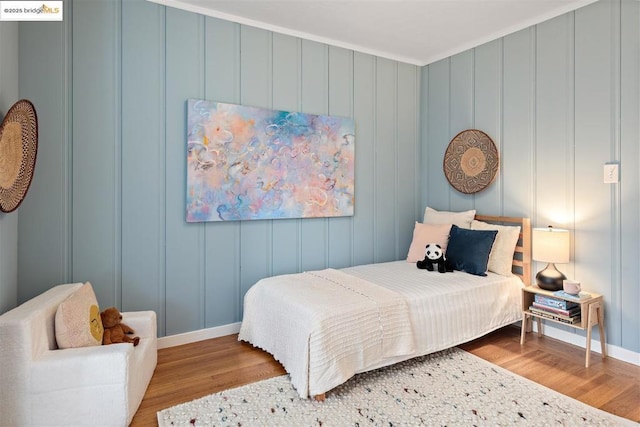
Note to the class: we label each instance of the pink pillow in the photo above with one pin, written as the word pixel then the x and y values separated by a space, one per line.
pixel 427 233
pixel 77 320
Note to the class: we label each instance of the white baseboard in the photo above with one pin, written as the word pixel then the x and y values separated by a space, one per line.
pixel 200 335
pixel 580 341
pixel 568 337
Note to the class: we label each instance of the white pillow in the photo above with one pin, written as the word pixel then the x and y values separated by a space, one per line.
pixel 501 256
pixel 461 219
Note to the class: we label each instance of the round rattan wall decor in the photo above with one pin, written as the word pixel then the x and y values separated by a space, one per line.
pixel 18 149
pixel 471 161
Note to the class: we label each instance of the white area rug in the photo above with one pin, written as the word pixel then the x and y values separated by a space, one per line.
pixel 451 388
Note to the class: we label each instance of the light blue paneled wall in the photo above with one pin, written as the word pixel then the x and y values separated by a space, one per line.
pixel 46 216
pixel 111 82
pixel 107 203
pixel 560 100
pixel 8 221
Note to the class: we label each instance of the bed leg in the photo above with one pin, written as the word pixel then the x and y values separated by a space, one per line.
pixel 320 397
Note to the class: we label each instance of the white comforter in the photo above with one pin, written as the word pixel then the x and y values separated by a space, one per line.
pixel 448 309
pixel 326 326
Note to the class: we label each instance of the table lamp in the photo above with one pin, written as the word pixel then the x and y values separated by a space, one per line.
pixel 550 245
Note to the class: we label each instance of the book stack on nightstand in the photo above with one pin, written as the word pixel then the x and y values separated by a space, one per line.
pixel 555 308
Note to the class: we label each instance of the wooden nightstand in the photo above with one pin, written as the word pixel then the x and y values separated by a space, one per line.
pixel 591 314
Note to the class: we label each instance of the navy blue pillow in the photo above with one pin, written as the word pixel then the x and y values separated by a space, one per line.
pixel 468 250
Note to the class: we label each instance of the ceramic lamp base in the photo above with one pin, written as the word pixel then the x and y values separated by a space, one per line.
pixel 550 278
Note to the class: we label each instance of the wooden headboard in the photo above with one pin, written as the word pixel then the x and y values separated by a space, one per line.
pixel 521 265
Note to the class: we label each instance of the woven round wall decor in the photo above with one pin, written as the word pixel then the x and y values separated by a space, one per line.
pixel 471 161
pixel 18 149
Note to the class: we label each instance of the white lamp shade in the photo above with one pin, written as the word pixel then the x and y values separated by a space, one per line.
pixel 551 245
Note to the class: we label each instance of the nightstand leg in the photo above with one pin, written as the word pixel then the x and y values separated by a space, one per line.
pixel 525 326
pixel 539 322
pixel 588 343
pixel 600 317
pixel 595 315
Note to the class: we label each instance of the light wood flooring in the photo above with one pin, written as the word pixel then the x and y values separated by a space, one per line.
pixel 194 370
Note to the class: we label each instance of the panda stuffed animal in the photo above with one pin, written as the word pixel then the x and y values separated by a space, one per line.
pixel 433 255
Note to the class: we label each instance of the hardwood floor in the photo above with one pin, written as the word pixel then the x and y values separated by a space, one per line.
pixel 194 370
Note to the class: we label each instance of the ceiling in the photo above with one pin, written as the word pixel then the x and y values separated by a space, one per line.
pixel 413 31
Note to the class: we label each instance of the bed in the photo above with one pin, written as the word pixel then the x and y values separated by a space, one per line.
pixel 326 326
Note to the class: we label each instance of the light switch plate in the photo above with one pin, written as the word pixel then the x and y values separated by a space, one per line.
pixel 611 173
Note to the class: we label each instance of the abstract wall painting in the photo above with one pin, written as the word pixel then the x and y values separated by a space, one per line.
pixel 246 163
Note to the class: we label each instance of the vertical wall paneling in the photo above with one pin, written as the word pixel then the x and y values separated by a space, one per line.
pixel 315 100
pixel 66 142
pixel 629 187
pixel 110 84
pixel 554 119
pixel 554 126
pixel 438 134
pixel 143 159
pixel 407 156
pixel 516 159
pixel 487 98
pixel 256 90
pixel 8 258
pixel 364 116
pixel 96 233
pixel 340 104
pixel 564 98
pixel 127 219
pixel 184 242
pixel 596 29
pixel 424 156
pixel 109 190
pixel 222 239
pixel 461 115
pixel 9 65
pixel 554 143
pixel 386 145
pixel 9 82
pixel 461 91
pixel 222 60
pixel 286 96
pixel 44 213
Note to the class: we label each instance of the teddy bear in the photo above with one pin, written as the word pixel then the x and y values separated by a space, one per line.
pixel 433 255
pixel 114 330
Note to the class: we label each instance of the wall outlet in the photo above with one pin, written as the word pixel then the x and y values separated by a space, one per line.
pixel 611 175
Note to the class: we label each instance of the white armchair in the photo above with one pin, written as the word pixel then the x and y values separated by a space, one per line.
pixel 43 385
